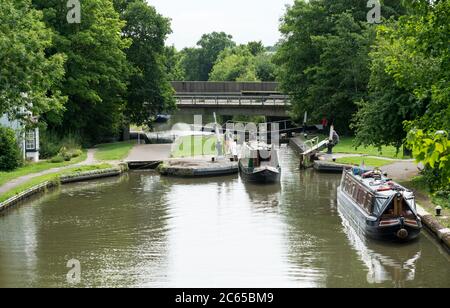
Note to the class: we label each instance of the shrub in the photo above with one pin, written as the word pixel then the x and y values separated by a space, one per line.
pixel 76 153
pixel 10 154
pixel 52 144
pixel 57 159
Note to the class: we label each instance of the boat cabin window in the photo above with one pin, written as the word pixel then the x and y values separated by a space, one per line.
pixel 360 195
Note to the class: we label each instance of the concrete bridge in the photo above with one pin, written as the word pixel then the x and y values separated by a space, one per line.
pixel 231 98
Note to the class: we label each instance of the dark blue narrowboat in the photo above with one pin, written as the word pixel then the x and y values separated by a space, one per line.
pixel 378 207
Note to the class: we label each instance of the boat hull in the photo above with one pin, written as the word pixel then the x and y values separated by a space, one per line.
pixel 369 225
pixel 263 176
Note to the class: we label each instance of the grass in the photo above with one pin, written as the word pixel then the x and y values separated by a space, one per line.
pixel 368 161
pixel 429 201
pixel 346 146
pixel 31 168
pixel 190 146
pixel 49 178
pixel 114 151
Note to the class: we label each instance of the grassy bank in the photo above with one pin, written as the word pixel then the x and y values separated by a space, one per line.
pixel 54 177
pixel 368 161
pixel 346 145
pixel 31 168
pixel 429 201
pixel 114 151
pixel 190 146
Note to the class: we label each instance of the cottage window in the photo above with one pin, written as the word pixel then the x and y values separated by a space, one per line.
pixel 30 140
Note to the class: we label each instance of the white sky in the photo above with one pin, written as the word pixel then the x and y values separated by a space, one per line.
pixel 245 20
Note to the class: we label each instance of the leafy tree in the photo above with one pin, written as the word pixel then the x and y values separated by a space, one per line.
pixel 242 63
pixel 409 79
pixel 265 68
pixel 27 74
pixel 190 63
pixel 198 62
pixel 323 57
pixel 256 48
pixel 175 71
pixel 96 69
pixel 236 64
pixel 149 91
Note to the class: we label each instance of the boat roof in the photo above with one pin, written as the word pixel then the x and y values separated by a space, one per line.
pixel 377 185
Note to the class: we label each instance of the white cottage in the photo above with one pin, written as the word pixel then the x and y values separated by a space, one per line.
pixel 28 139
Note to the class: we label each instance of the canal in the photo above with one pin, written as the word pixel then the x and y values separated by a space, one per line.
pixel 141 230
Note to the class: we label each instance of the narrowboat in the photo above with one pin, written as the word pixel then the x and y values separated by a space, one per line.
pixel 259 163
pixel 377 206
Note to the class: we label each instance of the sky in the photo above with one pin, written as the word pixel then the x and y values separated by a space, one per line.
pixel 245 20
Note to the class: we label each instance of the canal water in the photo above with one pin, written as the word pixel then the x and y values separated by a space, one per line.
pixel 141 230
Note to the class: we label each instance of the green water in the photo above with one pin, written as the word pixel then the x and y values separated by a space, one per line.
pixel 141 230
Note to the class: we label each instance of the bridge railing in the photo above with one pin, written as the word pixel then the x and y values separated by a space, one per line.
pixel 233 100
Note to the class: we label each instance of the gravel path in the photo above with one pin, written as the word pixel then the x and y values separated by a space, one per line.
pixel 21 180
pixel 402 170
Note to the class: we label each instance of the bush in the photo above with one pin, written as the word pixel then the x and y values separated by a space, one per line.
pixel 76 153
pixel 10 154
pixel 57 159
pixel 52 144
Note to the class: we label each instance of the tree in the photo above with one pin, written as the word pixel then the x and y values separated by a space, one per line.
pixel 96 69
pixel 241 64
pixel 198 62
pixel 236 64
pixel 323 57
pixel 380 117
pixel 190 63
pixel 149 92
pixel 256 48
pixel 27 74
pixel 174 69
pixel 409 77
pixel 265 68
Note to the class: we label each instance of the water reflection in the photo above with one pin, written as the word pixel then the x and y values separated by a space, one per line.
pixel 385 262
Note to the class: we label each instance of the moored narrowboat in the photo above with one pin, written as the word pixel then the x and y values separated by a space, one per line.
pixel 259 163
pixel 377 206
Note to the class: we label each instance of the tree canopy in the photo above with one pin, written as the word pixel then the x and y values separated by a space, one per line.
pixel 248 62
pixel 28 76
pixel 198 62
pixel 323 57
pixel 149 91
